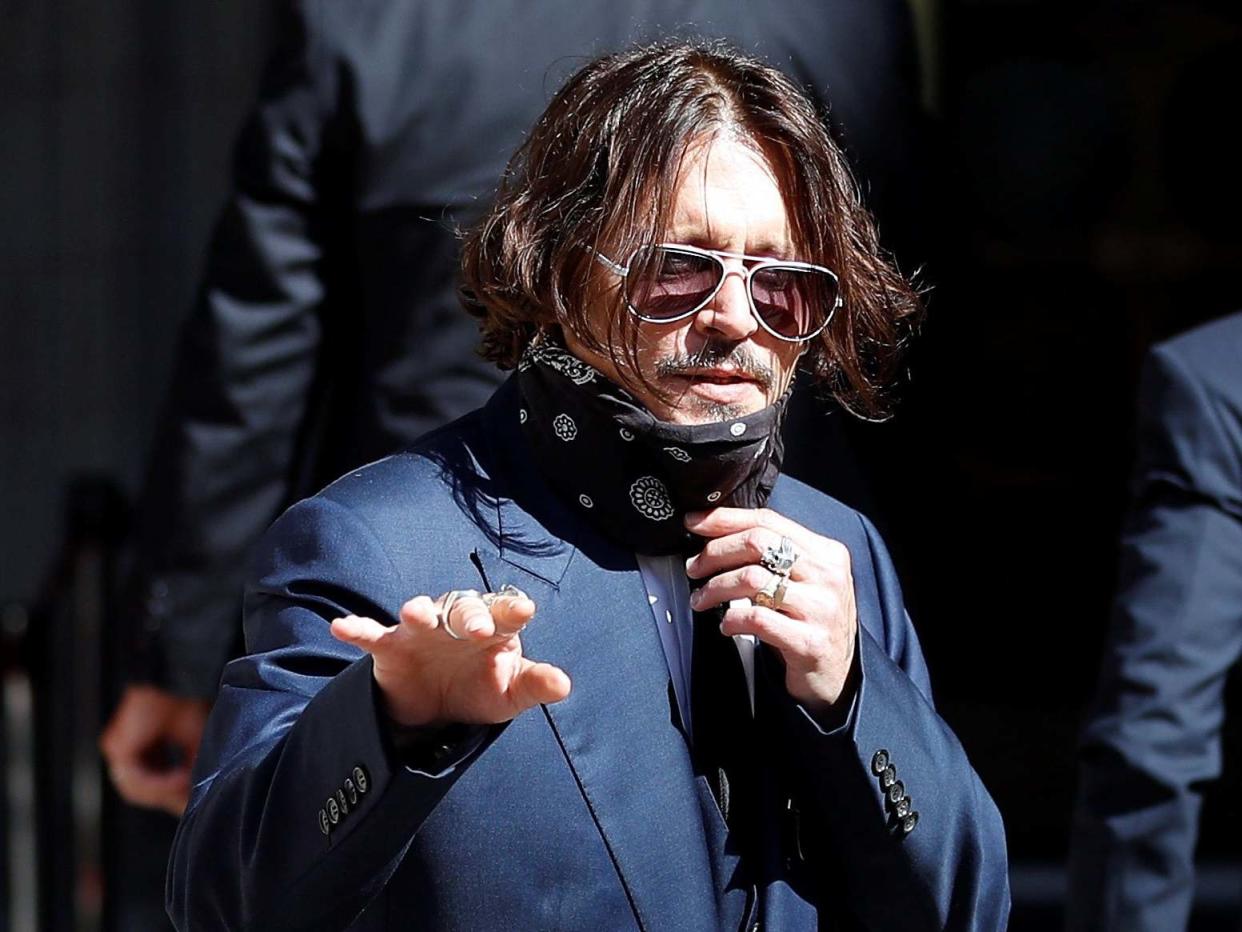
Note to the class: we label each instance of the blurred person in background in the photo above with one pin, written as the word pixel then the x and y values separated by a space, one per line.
pixel 1152 739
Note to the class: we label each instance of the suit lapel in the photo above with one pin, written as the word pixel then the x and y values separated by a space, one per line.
pixel 618 735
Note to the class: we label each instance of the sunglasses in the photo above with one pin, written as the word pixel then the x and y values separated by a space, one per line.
pixel 793 301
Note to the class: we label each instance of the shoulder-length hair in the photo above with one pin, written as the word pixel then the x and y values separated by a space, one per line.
pixel 599 171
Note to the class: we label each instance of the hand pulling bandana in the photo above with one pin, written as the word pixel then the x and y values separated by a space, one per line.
pixel 632 476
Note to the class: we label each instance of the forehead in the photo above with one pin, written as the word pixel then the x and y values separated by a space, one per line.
pixel 727 195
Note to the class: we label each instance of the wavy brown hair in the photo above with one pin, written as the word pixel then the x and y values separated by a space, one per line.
pixel 599 171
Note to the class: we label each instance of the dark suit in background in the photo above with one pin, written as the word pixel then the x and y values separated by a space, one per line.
pixel 1153 737
pixel 328 332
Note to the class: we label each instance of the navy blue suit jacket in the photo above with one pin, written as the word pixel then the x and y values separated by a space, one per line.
pixel 582 814
pixel 1153 737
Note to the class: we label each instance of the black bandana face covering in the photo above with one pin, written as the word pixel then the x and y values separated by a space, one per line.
pixel 630 475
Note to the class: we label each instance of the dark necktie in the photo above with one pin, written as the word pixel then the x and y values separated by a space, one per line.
pixel 724 729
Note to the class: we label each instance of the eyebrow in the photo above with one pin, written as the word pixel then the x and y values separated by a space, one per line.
pixel 765 249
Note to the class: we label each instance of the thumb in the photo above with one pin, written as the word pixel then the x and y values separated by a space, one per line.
pixel 538 683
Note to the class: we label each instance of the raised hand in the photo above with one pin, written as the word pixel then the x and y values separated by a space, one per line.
pixel 456 659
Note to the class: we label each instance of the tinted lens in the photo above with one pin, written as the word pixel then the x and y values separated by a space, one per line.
pixel 793 301
pixel 664 283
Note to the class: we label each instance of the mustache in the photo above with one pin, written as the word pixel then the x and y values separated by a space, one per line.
pixel 716 353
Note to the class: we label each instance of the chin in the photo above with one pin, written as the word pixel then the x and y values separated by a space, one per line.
pixel 699 411
pixel 692 410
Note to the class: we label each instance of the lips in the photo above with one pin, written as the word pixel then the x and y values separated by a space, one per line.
pixel 718 376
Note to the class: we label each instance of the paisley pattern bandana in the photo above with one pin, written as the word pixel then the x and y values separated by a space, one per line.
pixel 631 476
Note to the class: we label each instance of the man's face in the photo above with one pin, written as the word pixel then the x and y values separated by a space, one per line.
pixel 719 363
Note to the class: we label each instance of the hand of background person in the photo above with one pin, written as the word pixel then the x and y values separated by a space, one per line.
pixel 150 745
pixel 428 677
pixel 816 627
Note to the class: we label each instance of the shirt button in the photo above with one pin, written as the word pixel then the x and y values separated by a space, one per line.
pixel 737 429
pixel 879 762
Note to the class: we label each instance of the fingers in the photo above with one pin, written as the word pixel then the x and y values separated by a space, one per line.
pixel 789 636
pixel 511 611
pixel 538 683
pixel 150 744
pixel 746 547
pixel 721 521
pixel 457 658
pixel 745 583
pixel 818 658
pixel 472 616
pixel 738 536
pixel 166 789
pixel 139 722
pixel 365 633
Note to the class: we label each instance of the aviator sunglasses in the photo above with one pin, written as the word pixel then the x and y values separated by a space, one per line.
pixel 667 282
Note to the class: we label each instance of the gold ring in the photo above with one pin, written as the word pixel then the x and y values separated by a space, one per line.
pixel 772 595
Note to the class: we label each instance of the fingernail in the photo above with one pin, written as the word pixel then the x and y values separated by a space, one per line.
pixel 694 517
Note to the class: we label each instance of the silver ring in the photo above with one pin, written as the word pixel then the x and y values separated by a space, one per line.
pixel 772 595
pixel 505 591
pixel 780 559
pixel 450 599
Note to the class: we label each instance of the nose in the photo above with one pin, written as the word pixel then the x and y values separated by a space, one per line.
pixel 728 314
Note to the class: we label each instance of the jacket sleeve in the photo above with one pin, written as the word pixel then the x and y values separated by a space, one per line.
pixel 300 812
pixel 899 814
pixel 243 373
pixel 1153 735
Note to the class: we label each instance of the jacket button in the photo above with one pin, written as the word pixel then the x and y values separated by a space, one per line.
pixel 903 808
pixel 342 802
pixel 334 811
pixel 908 823
pixel 879 762
pixel 351 791
pixel 888 777
pixel 360 780
pixel 323 822
pixel 896 792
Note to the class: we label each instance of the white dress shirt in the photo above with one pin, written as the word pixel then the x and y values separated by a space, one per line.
pixel 668 592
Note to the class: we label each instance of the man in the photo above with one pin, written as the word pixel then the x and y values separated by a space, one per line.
pixel 480 693
pixel 328 332
pixel 1153 738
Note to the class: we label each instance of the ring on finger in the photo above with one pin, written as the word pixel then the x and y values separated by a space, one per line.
pixel 780 559
pixel 446 605
pixel 772 595
pixel 505 591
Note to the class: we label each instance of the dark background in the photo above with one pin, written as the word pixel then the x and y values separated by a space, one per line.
pixel 1086 204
